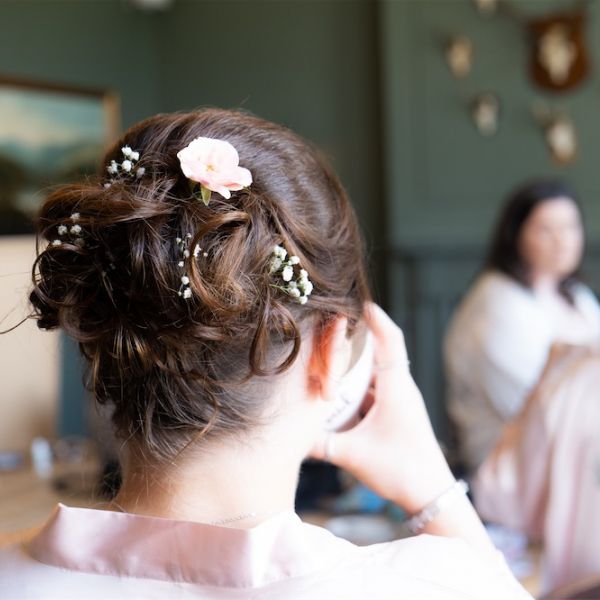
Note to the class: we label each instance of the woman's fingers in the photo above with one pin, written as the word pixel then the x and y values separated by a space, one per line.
pixel 390 348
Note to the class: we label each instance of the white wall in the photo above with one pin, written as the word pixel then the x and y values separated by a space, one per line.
pixel 29 358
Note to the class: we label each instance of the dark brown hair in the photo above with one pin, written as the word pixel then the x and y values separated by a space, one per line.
pixel 178 369
pixel 504 254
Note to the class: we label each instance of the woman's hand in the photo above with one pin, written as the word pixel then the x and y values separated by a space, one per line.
pixel 393 450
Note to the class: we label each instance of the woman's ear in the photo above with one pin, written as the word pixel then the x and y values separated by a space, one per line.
pixel 329 359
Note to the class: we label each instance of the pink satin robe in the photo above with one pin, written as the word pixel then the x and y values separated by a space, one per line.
pixel 543 477
pixel 93 554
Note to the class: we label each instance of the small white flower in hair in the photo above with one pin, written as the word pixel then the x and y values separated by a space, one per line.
pixel 62 229
pixel 197 250
pixel 280 252
pixel 56 242
pixel 180 264
pixel 76 229
pixel 75 217
pixel 296 282
pixel 287 273
pixel 185 280
pixel 126 166
pixel 187 293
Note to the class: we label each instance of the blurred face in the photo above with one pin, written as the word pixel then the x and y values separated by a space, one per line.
pixel 551 239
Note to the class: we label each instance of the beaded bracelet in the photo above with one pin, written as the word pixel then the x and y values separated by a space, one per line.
pixel 419 521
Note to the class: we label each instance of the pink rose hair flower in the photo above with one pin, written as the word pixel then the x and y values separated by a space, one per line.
pixel 214 164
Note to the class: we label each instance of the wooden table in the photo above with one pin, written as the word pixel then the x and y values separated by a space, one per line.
pixel 26 500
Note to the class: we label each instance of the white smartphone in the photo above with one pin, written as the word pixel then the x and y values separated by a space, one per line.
pixel 354 384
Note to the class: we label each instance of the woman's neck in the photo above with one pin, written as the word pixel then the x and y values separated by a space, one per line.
pixel 545 283
pixel 235 482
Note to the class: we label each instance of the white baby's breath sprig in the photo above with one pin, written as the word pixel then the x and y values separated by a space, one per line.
pixel 183 244
pixel 126 167
pixel 295 279
pixel 74 231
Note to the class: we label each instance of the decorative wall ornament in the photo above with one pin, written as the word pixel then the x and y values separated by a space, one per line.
pixel 485 111
pixel 559 133
pixel 486 7
pixel 459 56
pixel 559 58
pixel 152 5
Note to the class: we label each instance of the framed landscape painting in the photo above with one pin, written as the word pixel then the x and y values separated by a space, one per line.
pixel 49 134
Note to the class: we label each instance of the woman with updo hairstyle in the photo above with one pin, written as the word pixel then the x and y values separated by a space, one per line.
pixel 528 303
pixel 216 304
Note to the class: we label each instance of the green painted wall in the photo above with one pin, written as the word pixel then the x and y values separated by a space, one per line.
pixel 444 181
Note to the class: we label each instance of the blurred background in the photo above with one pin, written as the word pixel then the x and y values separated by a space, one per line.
pixel 430 110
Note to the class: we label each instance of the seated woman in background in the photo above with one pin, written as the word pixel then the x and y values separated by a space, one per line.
pixel 528 300
pixel 543 477
pixel 215 304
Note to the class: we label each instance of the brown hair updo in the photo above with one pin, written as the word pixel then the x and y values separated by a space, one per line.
pixel 176 369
